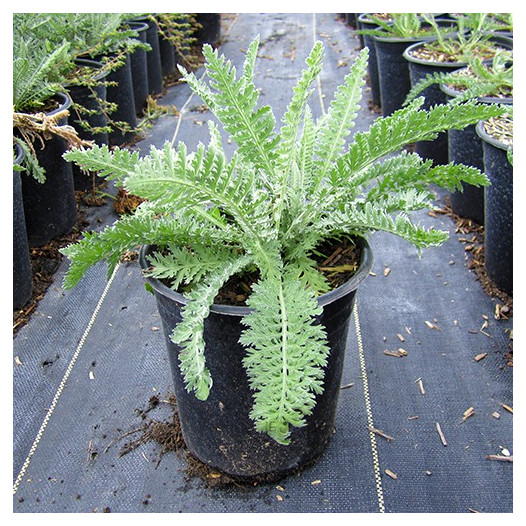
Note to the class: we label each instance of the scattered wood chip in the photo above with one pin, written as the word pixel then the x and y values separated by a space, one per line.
pixel 421 386
pixel 508 408
pixel 442 437
pixel 380 433
pixel 398 353
pixel 155 328
pixel 432 325
pixel 500 458
pixel 414 417
pixel 280 488
pixel 347 386
pixel 480 356
pixel 505 452
pixel 279 498
pixel 495 415
pixel 472 510
pixel 408 330
pixel 315 482
pixel 214 475
pixel 387 270
pixel 371 273
pixel 391 474
pixel 91 375
pixel 17 360
pixel 400 337
pixel 467 413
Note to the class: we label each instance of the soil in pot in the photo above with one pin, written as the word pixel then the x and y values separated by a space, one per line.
pixel 218 431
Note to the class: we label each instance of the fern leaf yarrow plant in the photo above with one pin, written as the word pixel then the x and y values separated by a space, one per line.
pixel 287 188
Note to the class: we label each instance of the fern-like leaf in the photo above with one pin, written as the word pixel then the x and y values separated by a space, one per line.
pixel 188 334
pixel 286 353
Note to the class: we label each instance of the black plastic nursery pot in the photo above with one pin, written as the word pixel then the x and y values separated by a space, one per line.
pixel 50 208
pixel 167 52
pixel 437 149
pixel 92 99
pixel 498 217
pixel 393 68
pixel 153 57
pixel 22 273
pixel 120 92
pixel 218 431
pixel 465 147
pixel 372 66
pixel 210 30
pixel 139 68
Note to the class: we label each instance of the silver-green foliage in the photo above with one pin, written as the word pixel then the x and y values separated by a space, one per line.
pixel 266 209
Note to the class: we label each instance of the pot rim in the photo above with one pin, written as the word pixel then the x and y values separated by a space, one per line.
pixel 417 40
pixel 366 263
pixel 498 39
pixel 481 132
pixel 486 100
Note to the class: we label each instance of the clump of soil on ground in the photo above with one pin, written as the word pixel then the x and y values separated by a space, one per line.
pixel 167 434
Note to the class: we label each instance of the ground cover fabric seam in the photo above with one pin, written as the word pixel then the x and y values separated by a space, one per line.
pixel 368 411
pixel 63 382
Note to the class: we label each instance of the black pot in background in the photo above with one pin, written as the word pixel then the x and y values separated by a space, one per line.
pixel 393 68
pixel 210 32
pixel 372 66
pixel 437 149
pixel 50 208
pixel 222 421
pixel 120 92
pixel 139 68
pixel 91 99
pixel 22 273
pixel 167 51
pixel 465 147
pixel 153 56
pixel 498 228
pixel 350 19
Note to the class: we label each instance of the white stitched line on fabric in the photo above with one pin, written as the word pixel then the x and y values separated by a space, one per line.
pixel 361 355
pixel 370 423
pixel 63 383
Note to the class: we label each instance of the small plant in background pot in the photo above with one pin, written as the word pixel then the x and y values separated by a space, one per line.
pixel 268 219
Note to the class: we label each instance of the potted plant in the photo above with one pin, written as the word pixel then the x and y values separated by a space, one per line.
pixel 489 83
pixel 257 381
pixel 41 130
pixel 497 139
pixel 391 38
pixel 447 54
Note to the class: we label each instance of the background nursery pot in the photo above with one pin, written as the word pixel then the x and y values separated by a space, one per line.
pixel 50 208
pixel 218 431
pixel 498 232
pixel 22 274
pixel 465 146
pixel 437 150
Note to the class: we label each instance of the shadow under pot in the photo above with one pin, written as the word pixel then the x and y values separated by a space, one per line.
pixel 498 217
pixel 22 273
pixel 50 208
pixel 437 149
pixel 393 68
pixel 222 422
pixel 465 147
